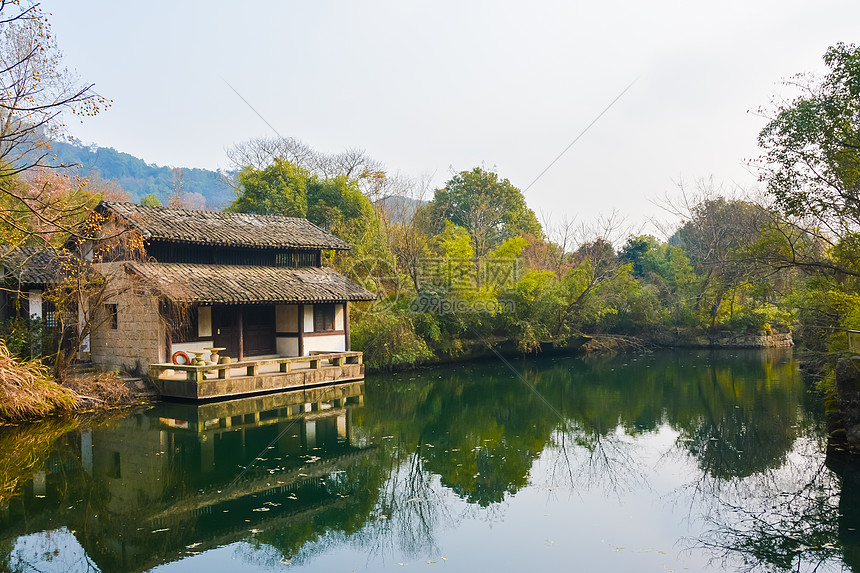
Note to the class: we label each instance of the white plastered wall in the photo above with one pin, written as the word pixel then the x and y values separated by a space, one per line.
pixel 332 342
pixel 34 307
pixel 309 320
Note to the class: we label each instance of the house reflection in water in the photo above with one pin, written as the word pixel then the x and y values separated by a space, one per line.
pixel 183 478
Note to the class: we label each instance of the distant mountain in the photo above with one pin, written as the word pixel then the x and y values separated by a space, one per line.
pixel 140 178
pixel 399 209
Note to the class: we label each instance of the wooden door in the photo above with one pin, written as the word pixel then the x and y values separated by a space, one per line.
pixel 258 330
pixel 225 330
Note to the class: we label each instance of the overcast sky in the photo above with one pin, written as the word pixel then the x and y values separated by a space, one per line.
pixel 431 87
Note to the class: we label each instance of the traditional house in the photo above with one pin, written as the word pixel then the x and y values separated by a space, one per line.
pixel 251 284
pixel 26 273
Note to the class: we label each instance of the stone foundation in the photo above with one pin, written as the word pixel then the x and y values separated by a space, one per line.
pixel 843 416
pixel 687 339
pixel 269 382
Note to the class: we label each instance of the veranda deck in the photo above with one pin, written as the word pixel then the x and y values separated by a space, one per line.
pixel 214 381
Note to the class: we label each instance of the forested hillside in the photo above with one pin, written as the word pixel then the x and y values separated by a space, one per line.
pixel 140 178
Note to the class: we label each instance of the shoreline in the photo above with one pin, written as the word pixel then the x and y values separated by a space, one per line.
pixel 98 392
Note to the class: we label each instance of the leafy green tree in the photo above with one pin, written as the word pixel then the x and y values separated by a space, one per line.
pixel 337 204
pixel 635 250
pixel 277 189
pixel 150 200
pixel 716 239
pixel 491 210
pixel 812 145
pixel 811 165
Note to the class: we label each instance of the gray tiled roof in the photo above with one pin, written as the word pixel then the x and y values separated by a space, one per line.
pixel 242 284
pixel 28 265
pixel 223 229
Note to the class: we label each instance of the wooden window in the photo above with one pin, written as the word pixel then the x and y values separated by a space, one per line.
pixel 307 259
pixel 112 316
pixel 324 317
pixel 49 311
pixel 297 259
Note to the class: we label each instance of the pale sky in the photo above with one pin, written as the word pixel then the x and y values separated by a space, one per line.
pixel 431 87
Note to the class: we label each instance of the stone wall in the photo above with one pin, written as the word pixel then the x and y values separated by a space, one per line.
pixel 682 338
pixel 139 338
pixel 843 411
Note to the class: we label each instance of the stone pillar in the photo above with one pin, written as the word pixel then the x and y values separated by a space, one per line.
pixel 207 453
pixel 310 434
pixel 87 451
pixel 346 343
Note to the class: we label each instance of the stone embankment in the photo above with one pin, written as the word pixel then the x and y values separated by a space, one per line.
pixel 681 338
pixel 843 409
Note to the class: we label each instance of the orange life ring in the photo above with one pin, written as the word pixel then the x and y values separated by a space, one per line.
pixel 179 353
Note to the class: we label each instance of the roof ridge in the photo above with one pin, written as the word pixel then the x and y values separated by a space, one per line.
pixel 219 228
pixel 139 207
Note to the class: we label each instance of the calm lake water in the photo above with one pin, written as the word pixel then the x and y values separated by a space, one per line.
pixel 673 461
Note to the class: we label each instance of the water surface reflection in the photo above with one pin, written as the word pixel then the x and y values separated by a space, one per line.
pixel 718 453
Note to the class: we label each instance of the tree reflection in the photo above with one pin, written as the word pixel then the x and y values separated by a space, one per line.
pixel 429 449
pixel 789 519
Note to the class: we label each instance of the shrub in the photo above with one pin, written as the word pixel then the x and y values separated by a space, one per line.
pixel 388 339
pixel 763 318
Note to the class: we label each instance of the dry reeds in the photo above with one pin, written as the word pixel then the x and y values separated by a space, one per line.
pixel 28 391
pixel 101 388
pixel 25 449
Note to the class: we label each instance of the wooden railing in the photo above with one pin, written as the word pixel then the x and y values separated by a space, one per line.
pixel 854 341
pixel 252 367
